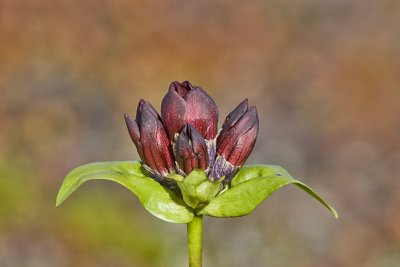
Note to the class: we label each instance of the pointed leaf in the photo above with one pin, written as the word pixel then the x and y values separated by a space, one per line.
pixel 159 201
pixel 250 186
pixel 249 172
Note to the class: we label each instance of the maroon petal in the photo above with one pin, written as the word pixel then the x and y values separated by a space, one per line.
pixel 199 147
pixel 202 112
pixel 184 154
pixel 173 113
pixel 243 147
pixel 134 133
pixel 235 115
pixel 144 105
pixel 181 88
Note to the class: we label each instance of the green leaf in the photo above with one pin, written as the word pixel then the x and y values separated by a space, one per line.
pixel 197 190
pixel 250 186
pixel 249 172
pixel 159 201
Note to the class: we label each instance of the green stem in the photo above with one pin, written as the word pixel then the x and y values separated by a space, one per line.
pixel 194 233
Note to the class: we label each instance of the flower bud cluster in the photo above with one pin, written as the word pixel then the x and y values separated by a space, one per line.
pixel 186 137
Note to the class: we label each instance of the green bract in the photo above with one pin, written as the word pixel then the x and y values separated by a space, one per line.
pixel 200 196
pixel 197 190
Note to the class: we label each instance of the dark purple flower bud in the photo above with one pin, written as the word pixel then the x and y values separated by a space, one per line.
pixel 238 135
pixel 151 140
pixel 235 142
pixel 188 104
pixel 191 150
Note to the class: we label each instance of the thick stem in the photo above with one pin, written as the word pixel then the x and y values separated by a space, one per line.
pixel 194 233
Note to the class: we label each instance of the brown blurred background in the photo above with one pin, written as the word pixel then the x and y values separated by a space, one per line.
pixel 324 75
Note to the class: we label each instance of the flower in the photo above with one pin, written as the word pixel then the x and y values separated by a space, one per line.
pixel 188 104
pixel 191 150
pixel 238 135
pixel 235 141
pixel 185 137
pixel 151 140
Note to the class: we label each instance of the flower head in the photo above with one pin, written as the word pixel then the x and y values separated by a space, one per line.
pixel 185 137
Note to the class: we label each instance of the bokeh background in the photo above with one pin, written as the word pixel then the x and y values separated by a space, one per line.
pixel 324 75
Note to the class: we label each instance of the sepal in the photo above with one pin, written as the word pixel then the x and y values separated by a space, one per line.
pixel 197 190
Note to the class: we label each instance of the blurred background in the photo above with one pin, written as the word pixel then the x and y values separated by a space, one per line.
pixel 324 75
